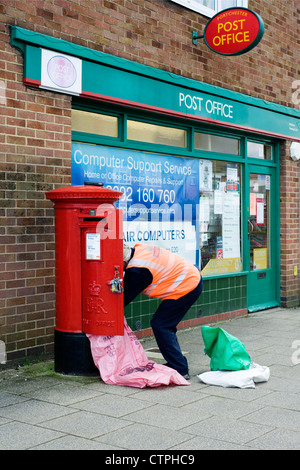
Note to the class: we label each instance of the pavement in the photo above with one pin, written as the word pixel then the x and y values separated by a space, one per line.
pixel 42 410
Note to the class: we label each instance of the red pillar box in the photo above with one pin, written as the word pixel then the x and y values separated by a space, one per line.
pixel 89 271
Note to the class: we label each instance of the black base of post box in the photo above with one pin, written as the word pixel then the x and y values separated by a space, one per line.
pixel 72 354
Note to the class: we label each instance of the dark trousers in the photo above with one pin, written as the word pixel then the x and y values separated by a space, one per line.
pixel 164 324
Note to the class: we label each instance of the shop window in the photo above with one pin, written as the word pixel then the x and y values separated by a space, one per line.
pixel 220 217
pixel 216 143
pixel 94 123
pixel 211 7
pixel 155 134
pixel 259 222
pixel 258 150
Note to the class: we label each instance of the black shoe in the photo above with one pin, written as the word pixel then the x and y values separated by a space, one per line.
pixel 185 376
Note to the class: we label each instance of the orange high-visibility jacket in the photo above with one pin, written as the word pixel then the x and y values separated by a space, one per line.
pixel 173 276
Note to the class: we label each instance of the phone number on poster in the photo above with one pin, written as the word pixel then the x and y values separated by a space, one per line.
pixel 145 195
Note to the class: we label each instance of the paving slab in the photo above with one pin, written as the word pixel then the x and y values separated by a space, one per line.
pixel 42 410
pixel 85 424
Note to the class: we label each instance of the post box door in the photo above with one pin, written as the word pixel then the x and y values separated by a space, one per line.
pixel 102 273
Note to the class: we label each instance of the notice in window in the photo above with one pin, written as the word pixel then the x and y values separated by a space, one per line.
pixel 205 167
pixel 232 177
pixel 204 209
pixel 218 201
pixel 260 209
pixel 252 204
pixel 231 225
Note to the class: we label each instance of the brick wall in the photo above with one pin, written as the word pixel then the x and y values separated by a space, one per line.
pixel 35 138
pixel 289 227
pixel 35 128
pixel 35 157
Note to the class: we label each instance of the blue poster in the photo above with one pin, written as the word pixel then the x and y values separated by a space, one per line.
pixel 160 193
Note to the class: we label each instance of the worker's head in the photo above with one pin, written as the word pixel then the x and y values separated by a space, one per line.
pixel 126 255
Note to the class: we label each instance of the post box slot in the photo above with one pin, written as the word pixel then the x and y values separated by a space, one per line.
pixel 93 219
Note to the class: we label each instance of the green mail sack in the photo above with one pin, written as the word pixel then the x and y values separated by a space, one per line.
pixel 226 351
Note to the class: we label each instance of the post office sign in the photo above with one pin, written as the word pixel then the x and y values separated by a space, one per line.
pixel 234 31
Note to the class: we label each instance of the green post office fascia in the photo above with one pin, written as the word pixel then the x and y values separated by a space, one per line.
pixel 112 79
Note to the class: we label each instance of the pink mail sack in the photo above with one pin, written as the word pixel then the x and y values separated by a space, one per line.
pixel 121 360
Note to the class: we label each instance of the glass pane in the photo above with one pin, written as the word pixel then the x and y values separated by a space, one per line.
pixel 259 221
pixel 207 3
pixel 195 3
pixel 227 4
pixel 94 123
pixel 144 132
pixel 256 150
pixel 216 143
pixel 209 7
pixel 220 217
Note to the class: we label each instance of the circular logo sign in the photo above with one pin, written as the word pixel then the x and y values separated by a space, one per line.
pixel 234 31
pixel 61 71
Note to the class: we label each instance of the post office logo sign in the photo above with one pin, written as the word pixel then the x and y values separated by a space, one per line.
pixel 234 31
pixel 61 72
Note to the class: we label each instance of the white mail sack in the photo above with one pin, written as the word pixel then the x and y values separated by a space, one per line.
pixel 240 378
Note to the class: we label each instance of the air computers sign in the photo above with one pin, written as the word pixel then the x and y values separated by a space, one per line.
pixel 234 31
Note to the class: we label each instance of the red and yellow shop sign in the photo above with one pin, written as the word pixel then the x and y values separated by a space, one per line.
pixel 234 31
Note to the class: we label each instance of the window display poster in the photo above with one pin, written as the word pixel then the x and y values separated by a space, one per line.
pixel 232 177
pixel 260 209
pixel 222 266
pixel 160 201
pixel 260 258
pixel 231 225
pixel 160 194
pixel 218 201
pixel 206 174
pixel 204 209
pixel 252 204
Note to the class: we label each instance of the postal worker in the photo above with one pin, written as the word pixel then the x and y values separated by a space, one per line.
pixel 158 273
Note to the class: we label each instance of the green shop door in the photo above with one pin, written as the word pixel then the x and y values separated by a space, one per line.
pixel 262 245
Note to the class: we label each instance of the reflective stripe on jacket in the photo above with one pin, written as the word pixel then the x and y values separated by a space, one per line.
pixel 173 276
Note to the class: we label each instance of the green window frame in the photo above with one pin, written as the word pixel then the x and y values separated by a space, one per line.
pixel 236 142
